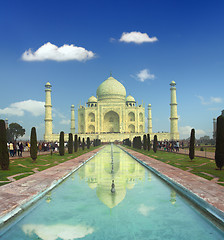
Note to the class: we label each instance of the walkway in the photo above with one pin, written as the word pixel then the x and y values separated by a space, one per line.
pixel 27 154
pixel 210 155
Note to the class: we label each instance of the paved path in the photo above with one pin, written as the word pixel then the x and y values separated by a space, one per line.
pixel 16 194
pixel 203 188
pixel 210 155
pixel 27 154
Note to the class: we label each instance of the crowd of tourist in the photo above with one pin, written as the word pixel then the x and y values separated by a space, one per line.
pixel 170 146
pixel 17 148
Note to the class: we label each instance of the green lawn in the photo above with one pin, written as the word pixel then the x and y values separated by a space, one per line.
pixel 26 165
pixel 199 166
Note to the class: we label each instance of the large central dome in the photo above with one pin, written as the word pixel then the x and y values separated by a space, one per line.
pixel 111 89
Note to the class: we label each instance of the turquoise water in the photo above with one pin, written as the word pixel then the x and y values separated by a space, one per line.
pixel 142 206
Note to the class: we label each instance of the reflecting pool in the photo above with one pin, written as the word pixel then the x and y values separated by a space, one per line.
pixel 112 197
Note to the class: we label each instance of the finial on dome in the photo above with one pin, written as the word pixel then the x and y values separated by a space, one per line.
pixel 110 73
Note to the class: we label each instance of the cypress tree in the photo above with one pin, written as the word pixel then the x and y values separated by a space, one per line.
pixel 192 143
pixel 62 144
pixel 144 142
pixel 79 142
pixel 70 143
pixel 139 142
pixel 4 154
pixel 83 143
pixel 76 143
pixel 148 142
pixel 155 143
pixel 219 151
pixel 88 142
pixel 33 144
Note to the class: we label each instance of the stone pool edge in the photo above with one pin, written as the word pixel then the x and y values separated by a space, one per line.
pixel 6 217
pixel 214 212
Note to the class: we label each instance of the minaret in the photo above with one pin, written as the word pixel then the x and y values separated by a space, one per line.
pixel 149 119
pixel 174 134
pixel 73 119
pixel 48 113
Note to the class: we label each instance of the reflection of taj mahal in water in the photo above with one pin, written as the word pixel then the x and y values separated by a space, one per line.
pixel 111 115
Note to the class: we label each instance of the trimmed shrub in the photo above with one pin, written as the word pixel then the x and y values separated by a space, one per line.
pixel 219 151
pixel 4 154
pixel 88 142
pixel 83 143
pixel 192 144
pixel 155 143
pixel 148 142
pixel 202 149
pixel 62 144
pixel 70 143
pixel 33 144
pixel 79 142
pixel 144 142
pixel 76 143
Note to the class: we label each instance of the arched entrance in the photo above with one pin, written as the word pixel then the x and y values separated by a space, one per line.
pixel 111 122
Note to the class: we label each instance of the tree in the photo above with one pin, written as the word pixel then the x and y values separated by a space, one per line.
pixel 144 142
pixel 148 142
pixel 76 143
pixel 16 130
pixel 33 144
pixel 4 154
pixel 219 151
pixel 79 142
pixel 61 144
pixel 192 143
pixel 155 143
pixel 70 143
pixel 83 143
pixel 88 142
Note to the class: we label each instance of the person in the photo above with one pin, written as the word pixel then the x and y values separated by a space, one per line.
pixel 11 149
pixel 177 146
pixel 21 149
pixel 17 149
pixel 39 147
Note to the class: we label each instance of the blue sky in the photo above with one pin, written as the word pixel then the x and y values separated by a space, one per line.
pixel 184 43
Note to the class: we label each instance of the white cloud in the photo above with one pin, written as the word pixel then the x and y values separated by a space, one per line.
pixel 62 231
pixel 144 75
pixel 65 122
pixel 136 37
pixel 216 99
pixel 144 210
pixel 36 108
pixel 185 132
pixel 50 51
pixel 210 101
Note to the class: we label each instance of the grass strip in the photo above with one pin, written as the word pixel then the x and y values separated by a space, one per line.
pixel 25 165
pixel 202 167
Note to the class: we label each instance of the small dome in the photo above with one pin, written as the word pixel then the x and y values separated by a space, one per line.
pixel 48 85
pixel 130 99
pixel 92 99
pixel 111 89
pixel 172 83
pixel 72 106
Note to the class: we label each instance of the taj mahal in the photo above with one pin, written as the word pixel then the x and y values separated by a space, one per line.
pixel 112 116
